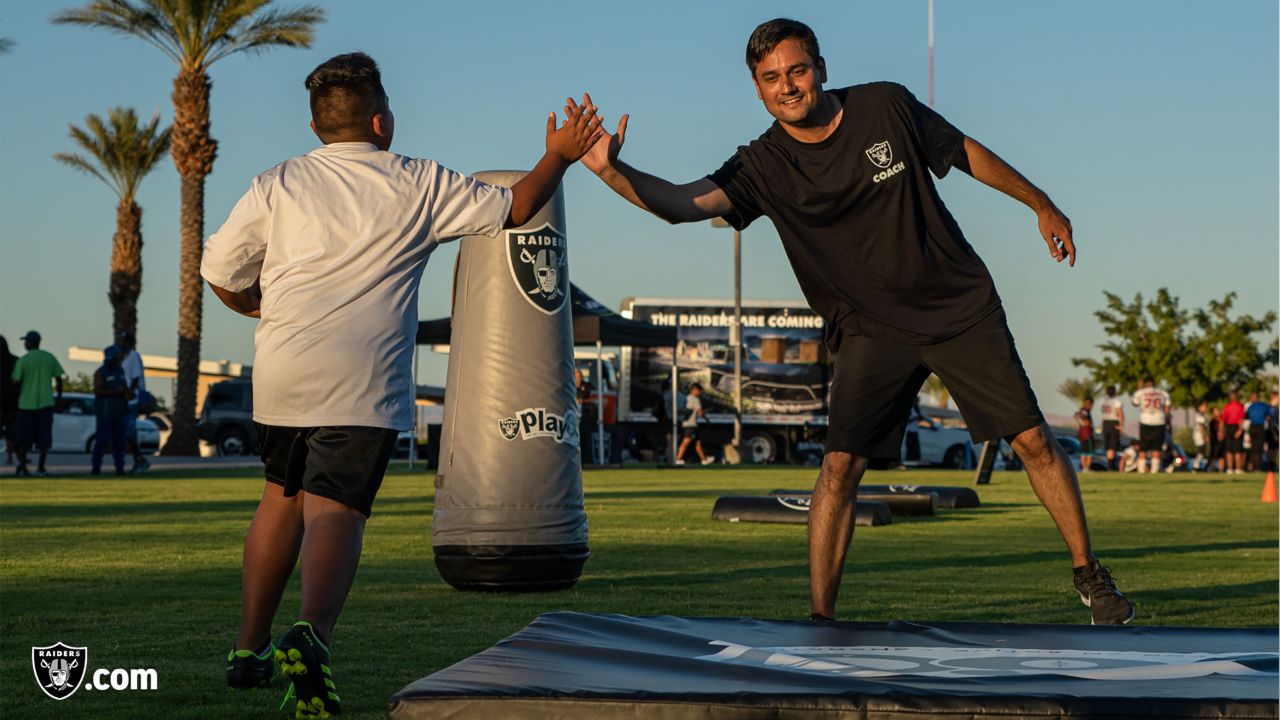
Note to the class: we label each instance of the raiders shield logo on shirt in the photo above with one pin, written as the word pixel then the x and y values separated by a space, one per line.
pixel 881 154
pixel 539 266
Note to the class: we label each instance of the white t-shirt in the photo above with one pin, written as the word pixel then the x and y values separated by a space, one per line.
pixel 1152 403
pixel 1200 432
pixel 693 406
pixel 340 237
pixel 1112 409
pixel 132 366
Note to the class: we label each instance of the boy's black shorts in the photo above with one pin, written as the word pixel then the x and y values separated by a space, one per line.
pixel 1110 435
pixel 1150 438
pixel 877 380
pixel 342 463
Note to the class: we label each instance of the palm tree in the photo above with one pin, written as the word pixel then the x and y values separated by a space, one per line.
pixel 6 44
pixel 120 154
pixel 935 387
pixel 1078 390
pixel 195 34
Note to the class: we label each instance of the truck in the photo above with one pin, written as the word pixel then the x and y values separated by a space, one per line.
pixel 786 373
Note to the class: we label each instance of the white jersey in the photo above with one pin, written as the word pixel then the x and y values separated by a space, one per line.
pixel 1153 404
pixel 1200 431
pixel 1112 409
pixel 692 405
pixel 133 371
pixel 339 238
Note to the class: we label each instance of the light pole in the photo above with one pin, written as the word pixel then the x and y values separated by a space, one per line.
pixel 735 334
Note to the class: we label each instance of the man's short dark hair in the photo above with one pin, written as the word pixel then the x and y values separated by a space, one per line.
pixel 767 36
pixel 346 92
pixel 695 386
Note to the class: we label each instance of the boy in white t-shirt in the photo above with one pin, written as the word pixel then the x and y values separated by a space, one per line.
pixel 328 249
pixel 1153 408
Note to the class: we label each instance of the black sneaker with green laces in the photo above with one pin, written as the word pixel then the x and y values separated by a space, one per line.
pixel 247 669
pixel 304 659
pixel 1098 592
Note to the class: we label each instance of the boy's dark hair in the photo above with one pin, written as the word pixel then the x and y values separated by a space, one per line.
pixel 767 36
pixel 346 91
pixel 695 386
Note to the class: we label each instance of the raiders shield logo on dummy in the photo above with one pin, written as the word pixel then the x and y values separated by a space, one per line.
pixel 881 154
pixel 59 669
pixel 538 259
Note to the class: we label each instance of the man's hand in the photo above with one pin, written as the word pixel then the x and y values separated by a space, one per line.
pixel 1055 228
pixel 580 130
pixel 606 149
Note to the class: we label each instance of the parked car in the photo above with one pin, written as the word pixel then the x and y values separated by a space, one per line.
pixel 226 420
pixel 74 426
pixel 927 443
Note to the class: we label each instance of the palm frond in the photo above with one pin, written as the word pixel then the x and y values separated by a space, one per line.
pixel 125 18
pixel 6 44
pixel 288 28
pixel 118 151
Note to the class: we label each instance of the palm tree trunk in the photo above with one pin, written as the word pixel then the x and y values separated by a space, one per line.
pixel 126 268
pixel 193 153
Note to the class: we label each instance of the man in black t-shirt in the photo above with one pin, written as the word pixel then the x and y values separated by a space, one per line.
pixel 846 177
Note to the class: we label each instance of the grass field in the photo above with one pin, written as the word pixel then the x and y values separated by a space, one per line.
pixel 145 572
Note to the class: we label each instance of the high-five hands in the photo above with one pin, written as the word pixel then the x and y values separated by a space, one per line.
pixel 577 134
pixel 606 148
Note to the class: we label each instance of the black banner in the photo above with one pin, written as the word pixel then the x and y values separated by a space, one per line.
pixel 572 665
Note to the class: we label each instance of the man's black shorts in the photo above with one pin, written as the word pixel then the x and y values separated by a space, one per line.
pixel 35 426
pixel 1110 435
pixel 691 433
pixel 343 463
pixel 1231 443
pixel 1150 438
pixel 877 380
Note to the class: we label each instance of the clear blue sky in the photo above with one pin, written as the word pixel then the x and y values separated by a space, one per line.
pixel 1152 124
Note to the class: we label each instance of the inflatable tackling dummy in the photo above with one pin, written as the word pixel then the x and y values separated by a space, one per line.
pixel 508 512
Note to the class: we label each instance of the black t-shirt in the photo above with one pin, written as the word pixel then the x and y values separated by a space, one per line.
pixel 873 247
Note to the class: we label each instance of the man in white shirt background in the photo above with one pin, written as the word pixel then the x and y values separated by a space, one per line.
pixel 1112 425
pixel 137 382
pixel 1153 409
pixel 328 249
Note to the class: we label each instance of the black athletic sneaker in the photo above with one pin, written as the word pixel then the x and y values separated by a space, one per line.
pixel 304 659
pixel 247 669
pixel 1098 592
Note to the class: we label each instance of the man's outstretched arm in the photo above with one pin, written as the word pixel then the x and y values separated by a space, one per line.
pixel 987 167
pixel 690 202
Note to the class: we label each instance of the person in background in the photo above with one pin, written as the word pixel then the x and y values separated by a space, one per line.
pixel 1153 409
pixel 131 363
pixel 1231 435
pixel 8 400
pixel 35 372
pixel 1273 431
pixel 1084 433
pixel 1200 437
pixel 689 428
pixel 1112 426
pixel 1130 459
pixel 1256 413
pixel 1215 439
pixel 111 395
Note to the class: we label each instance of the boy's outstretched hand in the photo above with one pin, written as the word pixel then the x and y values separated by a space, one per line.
pixel 578 133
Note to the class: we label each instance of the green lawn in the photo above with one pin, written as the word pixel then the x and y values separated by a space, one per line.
pixel 145 572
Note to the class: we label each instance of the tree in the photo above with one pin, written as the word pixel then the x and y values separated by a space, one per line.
pixel 195 34
pixel 6 44
pixel 1200 355
pixel 1077 391
pixel 120 154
